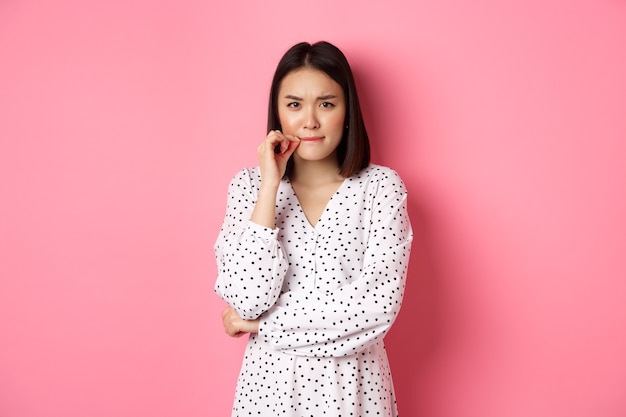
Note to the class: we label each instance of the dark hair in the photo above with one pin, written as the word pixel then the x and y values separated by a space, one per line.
pixel 353 152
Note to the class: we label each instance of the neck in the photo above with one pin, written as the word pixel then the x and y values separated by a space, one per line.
pixel 315 172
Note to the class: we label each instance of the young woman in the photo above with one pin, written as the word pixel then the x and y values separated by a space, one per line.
pixel 313 252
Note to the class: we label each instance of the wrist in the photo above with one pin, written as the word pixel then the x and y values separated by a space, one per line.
pixel 265 207
pixel 269 188
pixel 254 326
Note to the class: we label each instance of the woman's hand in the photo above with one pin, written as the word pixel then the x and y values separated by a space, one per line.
pixel 273 154
pixel 235 326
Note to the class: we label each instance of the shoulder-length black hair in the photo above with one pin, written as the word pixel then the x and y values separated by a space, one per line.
pixel 353 152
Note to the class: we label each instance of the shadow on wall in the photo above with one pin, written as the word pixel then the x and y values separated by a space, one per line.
pixel 415 339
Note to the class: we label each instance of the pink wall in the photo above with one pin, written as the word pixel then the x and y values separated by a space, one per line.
pixel 121 123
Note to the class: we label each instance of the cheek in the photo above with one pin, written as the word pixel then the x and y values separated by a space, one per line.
pixel 338 120
pixel 286 121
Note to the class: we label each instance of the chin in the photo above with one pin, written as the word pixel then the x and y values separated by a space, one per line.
pixel 314 156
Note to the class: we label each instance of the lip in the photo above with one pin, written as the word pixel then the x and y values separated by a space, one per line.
pixel 311 138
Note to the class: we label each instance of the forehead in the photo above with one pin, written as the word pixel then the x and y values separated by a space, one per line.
pixel 311 81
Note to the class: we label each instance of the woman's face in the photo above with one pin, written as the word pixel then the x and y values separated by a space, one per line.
pixel 312 106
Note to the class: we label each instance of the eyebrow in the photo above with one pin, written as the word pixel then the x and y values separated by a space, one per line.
pixel 326 97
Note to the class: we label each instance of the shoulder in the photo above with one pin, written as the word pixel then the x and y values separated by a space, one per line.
pixel 246 176
pixel 379 176
pixel 246 181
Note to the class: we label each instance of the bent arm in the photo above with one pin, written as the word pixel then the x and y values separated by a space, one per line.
pixel 250 260
pixel 357 315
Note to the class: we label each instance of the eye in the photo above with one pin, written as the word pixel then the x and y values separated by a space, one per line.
pixel 327 105
pixel 293 105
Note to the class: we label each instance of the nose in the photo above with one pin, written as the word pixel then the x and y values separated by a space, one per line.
pixel 311 121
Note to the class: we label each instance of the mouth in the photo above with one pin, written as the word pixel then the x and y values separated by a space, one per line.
pixel 311 138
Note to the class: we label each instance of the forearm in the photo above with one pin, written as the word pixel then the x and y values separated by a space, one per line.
pixel 264 212
pixel 344 321
pixel 309 323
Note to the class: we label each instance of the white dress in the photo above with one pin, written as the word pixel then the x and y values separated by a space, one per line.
pixel 326 296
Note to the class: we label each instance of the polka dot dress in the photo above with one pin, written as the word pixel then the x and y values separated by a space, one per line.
pixel 325 296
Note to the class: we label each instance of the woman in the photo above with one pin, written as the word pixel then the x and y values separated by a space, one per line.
pixel 313 252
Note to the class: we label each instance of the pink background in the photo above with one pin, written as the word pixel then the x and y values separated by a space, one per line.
pixel 121 123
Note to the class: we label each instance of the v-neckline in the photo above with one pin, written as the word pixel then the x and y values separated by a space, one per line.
pixel 324 210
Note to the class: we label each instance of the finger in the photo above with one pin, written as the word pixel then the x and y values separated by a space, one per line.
pixel 286 143
pixel 292 144
pixel 229 327
pixel 231 332
pixel 279 142
pixel 273 141
pixel 275 137
pixel 228 320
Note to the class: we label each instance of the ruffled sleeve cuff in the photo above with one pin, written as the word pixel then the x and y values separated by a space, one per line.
pixel 261 232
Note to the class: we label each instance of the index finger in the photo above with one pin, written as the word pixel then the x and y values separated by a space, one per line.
pixel 285 144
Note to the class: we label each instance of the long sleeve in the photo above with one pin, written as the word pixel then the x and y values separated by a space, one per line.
pixel 250 260
pixel 345 320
